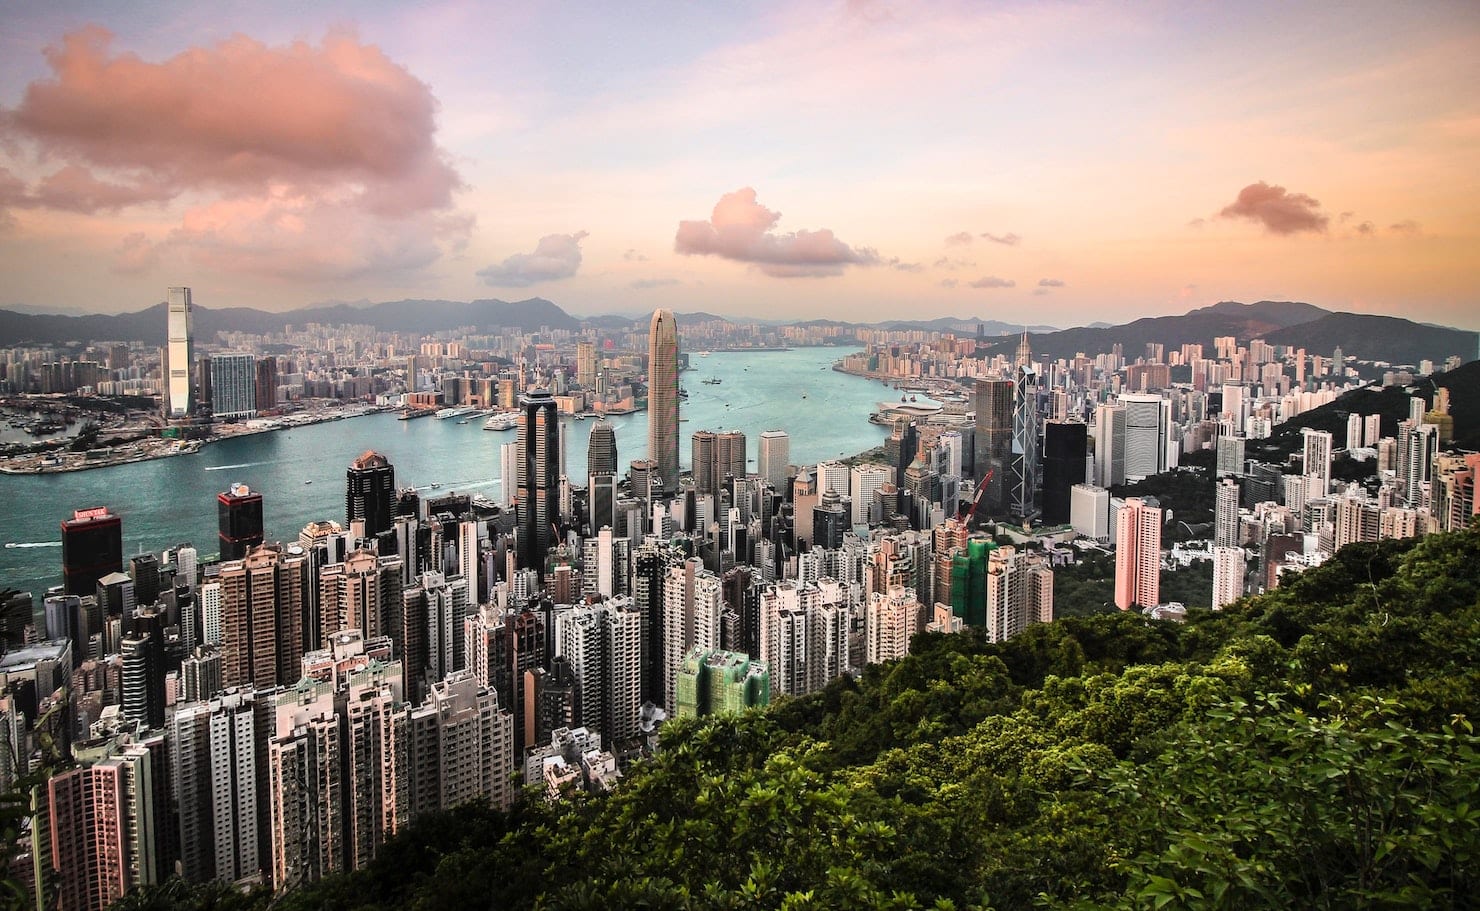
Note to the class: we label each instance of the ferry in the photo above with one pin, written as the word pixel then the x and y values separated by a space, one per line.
pixel 455 412
pixel 506 420
pixel 410 414
pixel 711 381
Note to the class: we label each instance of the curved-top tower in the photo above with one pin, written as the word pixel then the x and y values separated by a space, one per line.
pixel 663 397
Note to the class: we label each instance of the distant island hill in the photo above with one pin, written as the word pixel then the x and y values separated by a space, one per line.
pixel 1385 339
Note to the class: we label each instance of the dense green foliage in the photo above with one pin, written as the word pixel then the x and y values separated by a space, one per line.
pixel 1307 748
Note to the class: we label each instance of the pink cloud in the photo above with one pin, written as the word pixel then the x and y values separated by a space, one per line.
pixel 301 161
pixel 1280 212
pixel 1010 240
pixel 741 229
pixel 135 254
pixel 556 256
pixel 959 239
pixel 992 281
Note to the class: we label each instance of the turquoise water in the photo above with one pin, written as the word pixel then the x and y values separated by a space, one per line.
pixel 300 472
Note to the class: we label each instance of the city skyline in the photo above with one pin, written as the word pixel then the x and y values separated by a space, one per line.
pixel 1084 162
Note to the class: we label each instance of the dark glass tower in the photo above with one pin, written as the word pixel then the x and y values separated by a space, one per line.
pixel 92 547
pixel 1065 446
pixel 601 451
pixel 538 477
pixel 994 413
pixel 370 492
pixel 239 520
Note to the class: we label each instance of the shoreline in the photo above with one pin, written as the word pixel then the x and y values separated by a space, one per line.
pixel 156 448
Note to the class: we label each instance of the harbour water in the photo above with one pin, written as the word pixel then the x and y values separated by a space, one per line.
pixel 301 471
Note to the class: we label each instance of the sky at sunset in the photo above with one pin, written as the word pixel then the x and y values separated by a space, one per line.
pixel 1052 163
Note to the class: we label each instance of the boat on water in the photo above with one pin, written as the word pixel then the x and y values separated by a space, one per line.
pixel 410 414
pixel 711 381
pixel 505 420
pixel 308 482
pixel 455 412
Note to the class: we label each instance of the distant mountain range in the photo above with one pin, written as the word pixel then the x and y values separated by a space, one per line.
pixel 1319 331
pixel 1300 325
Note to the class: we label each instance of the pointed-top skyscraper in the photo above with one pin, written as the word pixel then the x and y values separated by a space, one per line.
pixel 663 397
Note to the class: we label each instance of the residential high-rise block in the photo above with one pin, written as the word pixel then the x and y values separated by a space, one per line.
pixel 663 397
pixel 538 478
pixel 263 605
pixel 891 620
pixel 370 493
pixel 603 645
pixel 1225 514
pixel 179 353
pixel 239 521
pixel 233 386
pixel 1019 591
pixel 711 681
pixel 1317 453
pixel 1137 555
pixel 1228 575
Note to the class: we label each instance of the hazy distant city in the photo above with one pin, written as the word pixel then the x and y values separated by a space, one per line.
pixel 711 539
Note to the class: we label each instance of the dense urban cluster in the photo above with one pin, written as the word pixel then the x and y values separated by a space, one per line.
pixel 269 713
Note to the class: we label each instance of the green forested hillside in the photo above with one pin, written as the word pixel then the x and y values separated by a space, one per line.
pixel 1309 748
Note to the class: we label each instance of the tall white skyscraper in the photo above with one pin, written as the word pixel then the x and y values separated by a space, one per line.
pixel 1318 457
pixel 179 352
pixel 1225 515
pixel 774 455
pixel 832 476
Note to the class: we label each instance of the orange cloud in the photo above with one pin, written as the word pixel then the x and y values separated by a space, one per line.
pixel 1280 212
pixel 741 229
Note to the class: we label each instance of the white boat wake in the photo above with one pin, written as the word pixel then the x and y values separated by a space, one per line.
pixel 241 465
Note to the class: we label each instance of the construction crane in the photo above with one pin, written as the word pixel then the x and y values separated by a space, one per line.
pixel 981 488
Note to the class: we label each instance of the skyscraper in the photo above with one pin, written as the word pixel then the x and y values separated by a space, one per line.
pixel 1317 444
pixel 1225 514
pixel 267 383
pixel 771 461
pixel 538 477
pixel 179 354
pixel 1137 555
pixel 993 441
pixel 1228 575
pixel 233 386
pixel 1147 420
pixel 1025 445
pixel 1065 447
pixel 370 492
pixel 601 449
pixel 239 521
pixel 663 397
pixel 92 547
